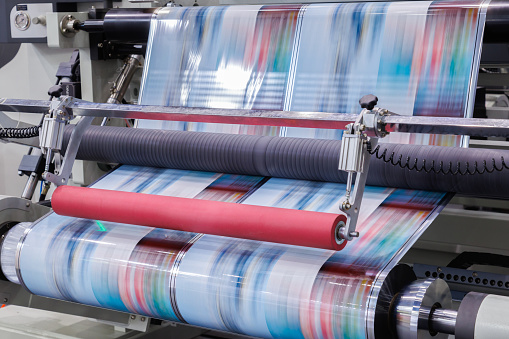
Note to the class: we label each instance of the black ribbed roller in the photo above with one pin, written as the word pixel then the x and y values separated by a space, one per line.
pixel 478 172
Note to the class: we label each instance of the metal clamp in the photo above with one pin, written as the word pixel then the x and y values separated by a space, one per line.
pixel 51 139
pixel 51 135
pixel 358 139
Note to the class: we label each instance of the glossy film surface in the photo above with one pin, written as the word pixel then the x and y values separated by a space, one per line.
pixel 261 289
pixel 419 57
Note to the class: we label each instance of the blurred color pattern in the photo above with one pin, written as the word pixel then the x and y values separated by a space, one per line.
pixel 419 57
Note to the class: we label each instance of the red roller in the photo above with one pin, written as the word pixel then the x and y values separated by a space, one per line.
pixel 294 227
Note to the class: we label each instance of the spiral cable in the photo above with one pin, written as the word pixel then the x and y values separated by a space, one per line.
pixel 442 168
pixel 19 133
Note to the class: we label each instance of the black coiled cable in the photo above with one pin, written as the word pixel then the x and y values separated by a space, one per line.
pixel 19 133
pixel 442 168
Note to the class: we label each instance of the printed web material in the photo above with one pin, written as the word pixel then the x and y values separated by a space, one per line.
pixel 419 57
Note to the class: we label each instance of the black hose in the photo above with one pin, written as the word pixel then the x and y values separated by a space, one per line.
pixel 479 172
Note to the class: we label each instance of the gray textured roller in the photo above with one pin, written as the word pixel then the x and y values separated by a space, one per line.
pixel 431 168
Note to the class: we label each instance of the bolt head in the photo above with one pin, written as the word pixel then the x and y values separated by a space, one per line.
pixel 354 234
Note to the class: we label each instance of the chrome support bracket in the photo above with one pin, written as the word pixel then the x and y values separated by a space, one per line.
pixel 358 140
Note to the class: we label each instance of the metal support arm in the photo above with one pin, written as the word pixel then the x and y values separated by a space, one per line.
pixel 51 138
pixel 358 139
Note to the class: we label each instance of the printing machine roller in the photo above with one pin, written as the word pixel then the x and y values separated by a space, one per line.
pixel 407 307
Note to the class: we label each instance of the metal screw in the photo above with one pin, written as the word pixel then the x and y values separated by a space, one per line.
pixel 27 204
pixel 6 300
pixel 474 274
pixel 142 318
pixel 20 173
pixel 133 317
pixel 439 269
pixel 362 127
pixel 100 45
pixel 63 180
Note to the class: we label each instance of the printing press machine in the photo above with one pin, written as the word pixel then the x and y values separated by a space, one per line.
pixel 464 249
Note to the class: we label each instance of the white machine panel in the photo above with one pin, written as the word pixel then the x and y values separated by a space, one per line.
pixel 29 20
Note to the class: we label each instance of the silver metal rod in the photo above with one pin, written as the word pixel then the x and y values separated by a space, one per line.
pixel 443 321
pixel 24 105
pixel 441 125
pixel 31 185
pixel 119 87
pixel 210 115
pixel 394 123
pixel 216 115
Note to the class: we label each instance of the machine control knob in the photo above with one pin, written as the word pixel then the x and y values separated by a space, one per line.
pixel 40 20
pixel 55 91
pixel 368 101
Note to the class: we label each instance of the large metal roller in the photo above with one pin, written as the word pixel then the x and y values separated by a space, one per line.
pixel 123 25
pixel 479 172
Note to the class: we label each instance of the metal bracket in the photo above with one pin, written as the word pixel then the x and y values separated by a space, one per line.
pixel 358 139
pixel 51 136
pixel 62 174
pixel 51 139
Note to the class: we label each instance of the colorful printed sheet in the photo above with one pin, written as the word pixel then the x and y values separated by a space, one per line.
pixel 260 289
pixel 418 57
